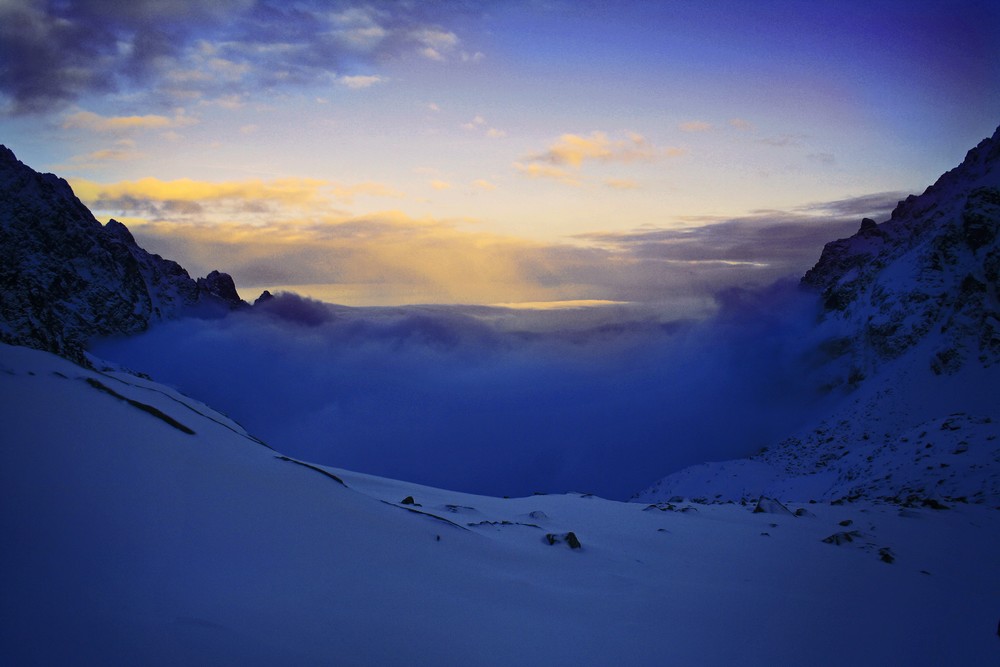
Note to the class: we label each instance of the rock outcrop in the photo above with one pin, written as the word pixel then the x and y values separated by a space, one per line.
pixel 66 278
pixel 928 274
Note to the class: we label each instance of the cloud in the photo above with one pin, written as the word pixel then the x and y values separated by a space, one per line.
pixel 783 140
pixel 573 150
pixel 359 82
pixel 55 53
pixel 740 124
pixel 822 158
pixel 440 185
pixel 143 196
pixel 621 184
pixel 436 44
pixel 88 120
pixel 475 123
pixel 478 399
pixel 483 184
pixel 103 156
pixel 547 171
pixel 479 123
pixel 695 126
pixel 564 159
pixel 770 244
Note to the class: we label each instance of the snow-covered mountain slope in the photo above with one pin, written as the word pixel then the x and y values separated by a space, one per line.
pixel 141 527
pixel 932 271
pixel 65 278
pixel 905 435
pixel 910 357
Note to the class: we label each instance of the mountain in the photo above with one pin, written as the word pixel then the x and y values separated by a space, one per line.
pixel 141 527
pixel 931 271
pixel 911 360
pixel 65 278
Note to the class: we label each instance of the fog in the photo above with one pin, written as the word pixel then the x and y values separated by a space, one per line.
pixel 493 401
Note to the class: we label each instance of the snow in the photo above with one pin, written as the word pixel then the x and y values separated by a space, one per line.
pixel 130 541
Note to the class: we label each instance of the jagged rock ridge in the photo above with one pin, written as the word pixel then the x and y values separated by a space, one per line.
pixel 930 271
pixel 65 278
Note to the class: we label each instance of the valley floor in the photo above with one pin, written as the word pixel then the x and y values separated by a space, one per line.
pixel 141 527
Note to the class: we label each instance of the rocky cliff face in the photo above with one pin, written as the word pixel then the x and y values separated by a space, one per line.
pixel 929 275
pixel 65 278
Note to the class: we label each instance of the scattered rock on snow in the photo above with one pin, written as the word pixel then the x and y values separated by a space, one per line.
pixel 770 506
pixel 843 537
pixel 569 538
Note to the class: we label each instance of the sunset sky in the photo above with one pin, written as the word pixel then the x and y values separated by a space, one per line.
pixel 496 152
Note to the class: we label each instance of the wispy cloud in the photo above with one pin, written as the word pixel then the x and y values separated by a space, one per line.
pixel 695 126
pixel 88 120
pixel 775 242
pixel 479 124
pixel 621 184
pixel 271 200
pixel 740 124
pixel 436 44
pixel 547 171
pixel 122 151
pixel 782 140
pixel 573 149
pixel 564 158
pixel 358 82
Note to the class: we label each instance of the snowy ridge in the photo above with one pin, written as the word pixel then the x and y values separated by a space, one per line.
pixel 912 316
pixel 931 270
pixel 905 436
pixel 66 278
pixel 142 543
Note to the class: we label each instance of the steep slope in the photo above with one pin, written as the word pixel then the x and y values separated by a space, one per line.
pixel 141 527
pixel 931 270
pixel 912 314
pixel 65 278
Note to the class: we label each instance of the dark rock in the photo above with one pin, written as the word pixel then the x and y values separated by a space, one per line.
pixel 948 238
pixel 842 537
pixel 408 500
pixel 220 285
pixel 770 506
pixel 569 538
pixel 65 278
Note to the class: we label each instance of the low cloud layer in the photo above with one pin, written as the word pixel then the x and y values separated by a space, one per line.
pixel 480 400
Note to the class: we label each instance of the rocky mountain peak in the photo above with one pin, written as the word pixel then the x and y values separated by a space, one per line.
pixel 928 275
pixel 65 277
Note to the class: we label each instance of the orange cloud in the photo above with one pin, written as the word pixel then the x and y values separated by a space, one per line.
pixel 621 184
pixel 88 120
pixel 295 192
pixel 574 150
pixel 536 170
pixel 695 126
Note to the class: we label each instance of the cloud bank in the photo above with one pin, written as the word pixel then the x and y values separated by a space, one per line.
pixel 480 399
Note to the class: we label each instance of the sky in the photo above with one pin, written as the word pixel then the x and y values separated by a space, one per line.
pixel 516 152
